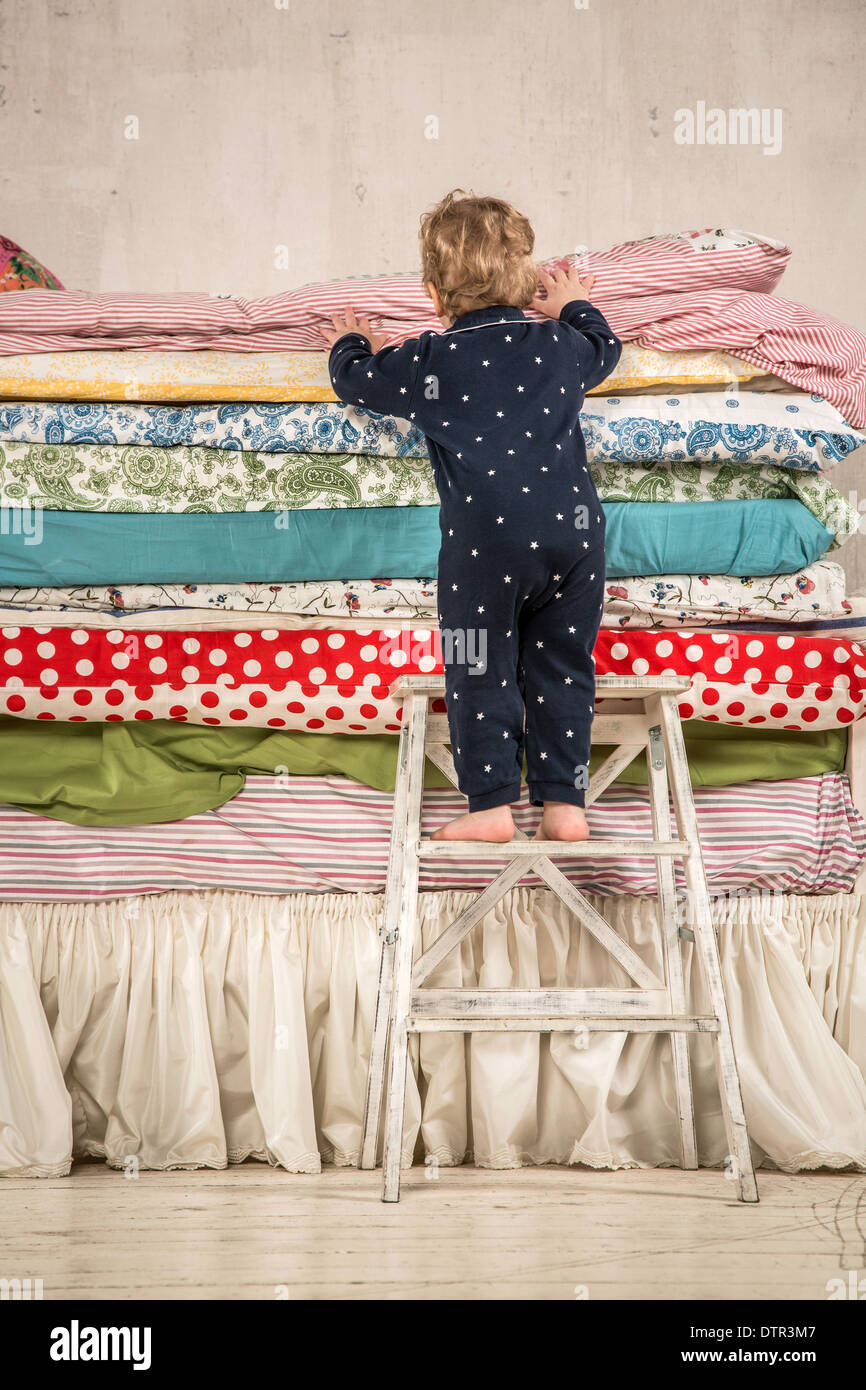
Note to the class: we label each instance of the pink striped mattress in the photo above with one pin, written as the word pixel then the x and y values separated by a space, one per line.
pixel 331 835
pixel 339 680
pixel 700 289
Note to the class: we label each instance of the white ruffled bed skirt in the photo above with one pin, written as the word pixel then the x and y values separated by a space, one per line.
pixel 189 1030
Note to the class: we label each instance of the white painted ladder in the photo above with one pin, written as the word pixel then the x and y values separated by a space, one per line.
pixel 654 1005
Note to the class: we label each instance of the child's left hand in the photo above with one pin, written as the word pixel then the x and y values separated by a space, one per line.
pixel 347 323
pixel 561 285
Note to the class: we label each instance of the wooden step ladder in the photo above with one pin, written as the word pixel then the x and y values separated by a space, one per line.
pixel 638 713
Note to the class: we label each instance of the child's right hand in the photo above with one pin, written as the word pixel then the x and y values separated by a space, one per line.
pixel 348 323
pixel 561 286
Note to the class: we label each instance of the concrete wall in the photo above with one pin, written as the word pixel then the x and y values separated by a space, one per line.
pixel 281 141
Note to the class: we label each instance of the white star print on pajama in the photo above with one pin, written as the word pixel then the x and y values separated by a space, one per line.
pixel 522 531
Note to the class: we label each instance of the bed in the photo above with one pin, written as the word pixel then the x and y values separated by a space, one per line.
pixel 200 989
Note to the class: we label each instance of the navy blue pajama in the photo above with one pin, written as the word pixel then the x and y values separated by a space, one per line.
pixel 521 565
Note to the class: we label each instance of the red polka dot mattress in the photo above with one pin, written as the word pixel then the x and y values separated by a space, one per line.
pixel 340 681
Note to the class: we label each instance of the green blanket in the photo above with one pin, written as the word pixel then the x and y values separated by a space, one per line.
pixel 136 773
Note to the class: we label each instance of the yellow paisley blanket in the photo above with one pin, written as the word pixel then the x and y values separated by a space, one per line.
pixel 152 375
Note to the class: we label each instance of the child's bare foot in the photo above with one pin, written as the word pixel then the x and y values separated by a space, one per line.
pixel 495 825
pixel 562 821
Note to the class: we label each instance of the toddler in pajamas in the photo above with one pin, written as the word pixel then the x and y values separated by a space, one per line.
pixel 521 565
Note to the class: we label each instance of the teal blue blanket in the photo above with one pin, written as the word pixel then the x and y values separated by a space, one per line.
pixel 768 536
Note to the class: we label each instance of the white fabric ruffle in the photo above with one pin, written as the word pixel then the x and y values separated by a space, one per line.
pixel 187 1030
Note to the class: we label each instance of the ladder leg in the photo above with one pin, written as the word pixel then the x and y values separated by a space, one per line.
pixel 412 749
pixel 708 954
pixel 661 819
pixel 393 889
pixel 378 1050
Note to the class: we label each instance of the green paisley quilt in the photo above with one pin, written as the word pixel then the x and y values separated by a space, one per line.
pixel 190 478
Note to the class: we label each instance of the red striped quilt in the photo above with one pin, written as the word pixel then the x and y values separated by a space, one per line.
pixel 683 262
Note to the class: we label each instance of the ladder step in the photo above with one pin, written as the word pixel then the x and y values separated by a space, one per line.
pixel 521 1024
pixel 561 849
pixel 626 687
pixel 567 1004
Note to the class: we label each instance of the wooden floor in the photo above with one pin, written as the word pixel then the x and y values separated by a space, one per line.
pixel 254 1232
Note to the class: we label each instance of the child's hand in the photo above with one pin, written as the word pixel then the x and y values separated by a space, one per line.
pixel 562 287
pixel 349 324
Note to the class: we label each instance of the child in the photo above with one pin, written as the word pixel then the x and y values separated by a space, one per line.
pixel 522 557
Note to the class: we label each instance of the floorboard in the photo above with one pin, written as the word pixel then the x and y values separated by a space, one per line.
pixel 253 1232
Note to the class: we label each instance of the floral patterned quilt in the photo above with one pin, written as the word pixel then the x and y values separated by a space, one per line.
pixel 670 600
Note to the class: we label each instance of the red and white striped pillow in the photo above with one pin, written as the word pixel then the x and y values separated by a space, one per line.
pixel 681 263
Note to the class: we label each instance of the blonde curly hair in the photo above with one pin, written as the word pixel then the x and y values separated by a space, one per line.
pixel 478 252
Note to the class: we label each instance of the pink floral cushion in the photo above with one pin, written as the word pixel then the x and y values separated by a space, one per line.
pixel 20 271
